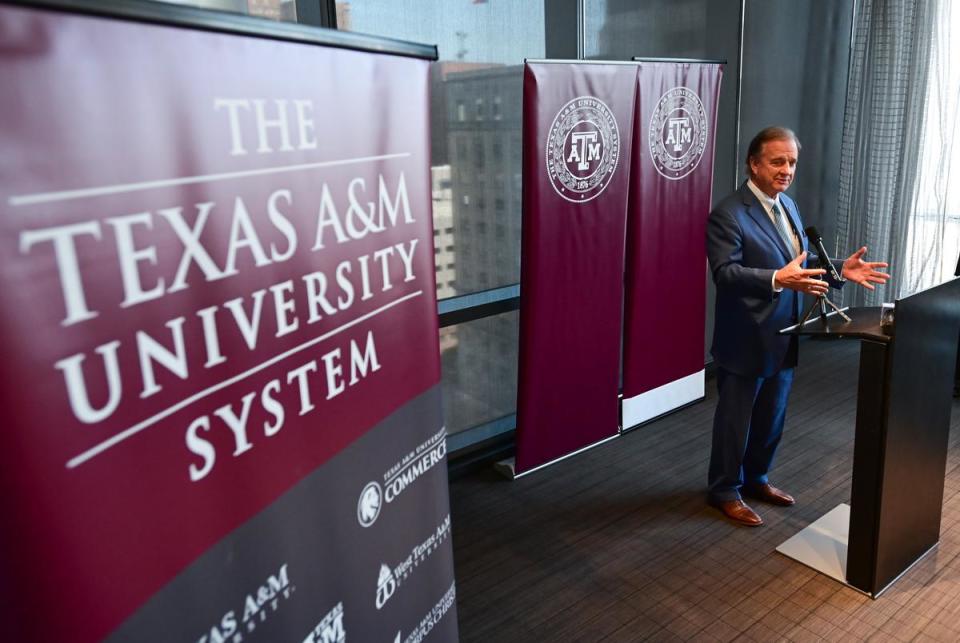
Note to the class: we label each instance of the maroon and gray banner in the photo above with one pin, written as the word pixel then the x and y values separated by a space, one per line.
pixel 616 155
pixel 221 370
pixel 670 195
pixel 577 147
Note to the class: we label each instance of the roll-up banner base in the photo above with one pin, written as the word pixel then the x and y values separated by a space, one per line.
pixel 508 466
pixel 663 399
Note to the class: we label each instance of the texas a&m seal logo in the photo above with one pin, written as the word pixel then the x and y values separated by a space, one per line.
pixel 583 146
pixel 678 133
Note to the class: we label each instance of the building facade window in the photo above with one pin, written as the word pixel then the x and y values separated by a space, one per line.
pixel 476 113
pixel 278 10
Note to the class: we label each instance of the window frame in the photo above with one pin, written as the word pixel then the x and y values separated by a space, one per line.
pixel 305 31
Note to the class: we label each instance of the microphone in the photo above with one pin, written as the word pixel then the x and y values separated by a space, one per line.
pixel 825 262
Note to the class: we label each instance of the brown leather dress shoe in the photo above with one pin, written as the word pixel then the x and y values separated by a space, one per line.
pixel 768 493
pixel 739 512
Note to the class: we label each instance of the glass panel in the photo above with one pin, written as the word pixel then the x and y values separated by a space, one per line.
pixel 280 10
pixel 479 362
pixel 934 225
pixel 620 29
pixel 476 100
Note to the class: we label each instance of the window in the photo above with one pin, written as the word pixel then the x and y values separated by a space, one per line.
pixel 477 89
pixel 477 95
pixel 933 243
pixel 480 371
pixel 279 10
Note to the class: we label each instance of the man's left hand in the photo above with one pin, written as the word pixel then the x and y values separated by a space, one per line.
pixel 863 272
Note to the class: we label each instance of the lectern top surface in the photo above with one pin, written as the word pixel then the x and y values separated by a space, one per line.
pixel 864 324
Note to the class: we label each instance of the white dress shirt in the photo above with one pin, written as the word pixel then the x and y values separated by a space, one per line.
pixel 767 204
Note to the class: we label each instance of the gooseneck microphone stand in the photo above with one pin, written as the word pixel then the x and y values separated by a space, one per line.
pixel 822 301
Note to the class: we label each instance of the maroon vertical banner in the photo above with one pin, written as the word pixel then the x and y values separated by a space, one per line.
pixel 220 381
pixel 576 140
pixel 670 192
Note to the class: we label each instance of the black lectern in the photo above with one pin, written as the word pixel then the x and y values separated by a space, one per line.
pixel 904 400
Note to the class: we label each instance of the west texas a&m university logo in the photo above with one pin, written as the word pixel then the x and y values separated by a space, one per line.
pixel 583 146
pixel 678 133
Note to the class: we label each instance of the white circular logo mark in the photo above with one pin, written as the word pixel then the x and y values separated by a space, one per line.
pixel 583 146
pixel 678 133
pixel 368 508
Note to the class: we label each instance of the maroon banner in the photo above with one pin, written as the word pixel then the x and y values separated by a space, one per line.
pixel 221 361
pixel 670 194
pixel 576 141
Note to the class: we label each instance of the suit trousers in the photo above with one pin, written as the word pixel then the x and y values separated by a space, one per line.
pixel 747 428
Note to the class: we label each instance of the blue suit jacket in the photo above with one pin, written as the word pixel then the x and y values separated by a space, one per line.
pixel 744 250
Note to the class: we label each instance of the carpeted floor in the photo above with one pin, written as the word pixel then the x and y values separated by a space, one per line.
pixel 618 544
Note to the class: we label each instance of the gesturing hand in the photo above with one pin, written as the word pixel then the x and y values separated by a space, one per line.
pixel 863 272
pixel 795 277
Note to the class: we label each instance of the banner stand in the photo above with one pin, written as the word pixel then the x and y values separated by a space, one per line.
pixel 222 412
pixel 577 143
pixel 670 195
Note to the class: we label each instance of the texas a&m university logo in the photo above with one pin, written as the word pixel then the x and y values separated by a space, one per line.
pixel 678 133
pixel 583 146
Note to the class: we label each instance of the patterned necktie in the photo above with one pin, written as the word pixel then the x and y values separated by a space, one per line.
pixel 783 227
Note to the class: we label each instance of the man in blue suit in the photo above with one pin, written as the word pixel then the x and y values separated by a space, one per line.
pixel 758 252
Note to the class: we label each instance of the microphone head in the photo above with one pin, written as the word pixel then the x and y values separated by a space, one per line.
pixel 813 233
